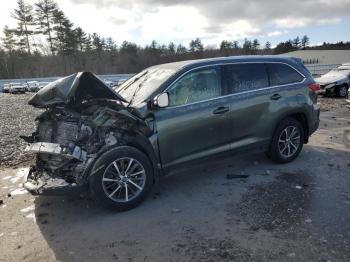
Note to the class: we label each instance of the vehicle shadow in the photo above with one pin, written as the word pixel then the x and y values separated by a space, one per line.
pixel 77 229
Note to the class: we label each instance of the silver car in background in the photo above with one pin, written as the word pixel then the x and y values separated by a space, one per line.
pixel 17 88
pixel 335 82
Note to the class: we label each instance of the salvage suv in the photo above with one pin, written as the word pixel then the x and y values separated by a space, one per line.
pixel 118 143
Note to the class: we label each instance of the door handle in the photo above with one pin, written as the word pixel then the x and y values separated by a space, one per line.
pixel 275 97
pixel 221 110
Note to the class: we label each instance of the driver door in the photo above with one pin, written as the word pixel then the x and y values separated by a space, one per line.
pixel 195 124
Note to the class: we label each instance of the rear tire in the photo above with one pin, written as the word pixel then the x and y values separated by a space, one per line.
pixel 287 141
pixel 121 178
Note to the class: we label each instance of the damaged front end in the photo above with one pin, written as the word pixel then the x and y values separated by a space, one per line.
pixel 83 119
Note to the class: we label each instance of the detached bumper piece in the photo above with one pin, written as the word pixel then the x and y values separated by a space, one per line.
pixel 56 149
pixel 42 184
pixel 348 103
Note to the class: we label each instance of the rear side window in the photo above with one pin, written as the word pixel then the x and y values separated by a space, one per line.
pixel 281 74
pixel 245 77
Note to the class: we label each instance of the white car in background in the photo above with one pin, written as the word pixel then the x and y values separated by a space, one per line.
pixel 6 88
pixel 335 82
pixel 17 88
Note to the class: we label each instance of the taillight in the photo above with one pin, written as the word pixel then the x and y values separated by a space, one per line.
pixel 315 87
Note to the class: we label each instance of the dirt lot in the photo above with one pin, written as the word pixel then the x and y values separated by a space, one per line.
pixel 294 212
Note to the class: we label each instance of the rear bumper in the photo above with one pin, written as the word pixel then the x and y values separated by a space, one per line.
pixel 316 119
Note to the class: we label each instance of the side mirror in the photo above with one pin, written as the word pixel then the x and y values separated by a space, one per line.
pixel 161 100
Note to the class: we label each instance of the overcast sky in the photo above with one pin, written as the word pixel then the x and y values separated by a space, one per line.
pixel 179 21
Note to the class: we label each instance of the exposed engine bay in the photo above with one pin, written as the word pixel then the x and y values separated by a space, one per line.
pixel 70 136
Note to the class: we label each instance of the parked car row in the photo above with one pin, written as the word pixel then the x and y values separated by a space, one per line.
pixel 14 88
pixel 35 86
pixel 336 82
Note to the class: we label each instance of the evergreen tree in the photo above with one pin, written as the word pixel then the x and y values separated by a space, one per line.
pixel 65 39
pixel 180 49
pixel 284 47
pixel 196 45
pixel 296 42
pixel 267 46
pixel 44 11
pixel 224 45
pixel 235 44
pixel 9 41
pixel 171 48
pixel 97 42
pixel 247 46
pixel 305 40
pixel 58 18
pixel 25 20
pixel 255 46
pixel 110 44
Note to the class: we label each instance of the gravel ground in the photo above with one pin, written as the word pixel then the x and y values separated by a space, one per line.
pixel 17 118
pixel 293 212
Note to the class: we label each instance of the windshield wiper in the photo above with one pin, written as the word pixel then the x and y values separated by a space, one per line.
pixel 138 88
pixel 134 94
pixel 132 82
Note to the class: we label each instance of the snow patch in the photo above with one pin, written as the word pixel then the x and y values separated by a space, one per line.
pixel 19 191
pixel 31 216
pixel 28 209
pixel 20 174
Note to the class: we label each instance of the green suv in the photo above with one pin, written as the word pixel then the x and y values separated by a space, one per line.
pixel 119 142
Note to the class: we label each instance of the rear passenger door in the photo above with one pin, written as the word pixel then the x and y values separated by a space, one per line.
pixel 248 85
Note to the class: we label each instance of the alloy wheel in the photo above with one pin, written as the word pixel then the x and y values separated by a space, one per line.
pixel 289 141
pixel 124 179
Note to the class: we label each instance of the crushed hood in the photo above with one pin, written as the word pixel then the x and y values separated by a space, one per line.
pixel 331 77
pixel 72 90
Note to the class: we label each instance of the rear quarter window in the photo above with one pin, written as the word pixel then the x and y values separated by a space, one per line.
pixel 281 74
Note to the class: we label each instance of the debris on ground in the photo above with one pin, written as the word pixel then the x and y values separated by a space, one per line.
pixel 232 176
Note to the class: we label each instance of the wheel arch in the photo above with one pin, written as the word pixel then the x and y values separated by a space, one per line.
pixel 139 142
pixel 302 118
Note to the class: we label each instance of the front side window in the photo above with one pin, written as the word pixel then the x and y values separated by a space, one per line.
pixel 245 77
pixel 196 86
pixel 281 74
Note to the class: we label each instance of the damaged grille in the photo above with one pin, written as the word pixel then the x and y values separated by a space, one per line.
pixel 62 132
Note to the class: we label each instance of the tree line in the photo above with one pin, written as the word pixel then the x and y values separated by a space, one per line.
pixel 68 48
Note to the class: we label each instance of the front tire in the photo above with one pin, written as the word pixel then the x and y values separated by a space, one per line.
pixel 121 178
pixel 342 90
pixel 287 141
